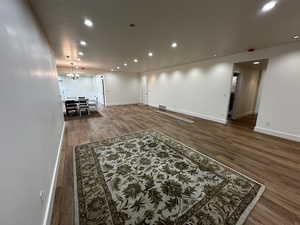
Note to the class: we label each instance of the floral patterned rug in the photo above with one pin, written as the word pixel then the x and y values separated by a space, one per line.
pixel 148 178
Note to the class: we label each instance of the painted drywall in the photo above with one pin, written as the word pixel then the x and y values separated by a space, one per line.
pixel 279 107
pixel 31 116
pixel 144 90
pixel 261 84
pixel 199 90
pixel 202 89
pixel 89 86
pixel 122 88
pixel 247 91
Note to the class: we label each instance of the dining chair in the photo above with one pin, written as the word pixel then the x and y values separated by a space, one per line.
pixel 93 104
pixel 71 106
pixel 83 105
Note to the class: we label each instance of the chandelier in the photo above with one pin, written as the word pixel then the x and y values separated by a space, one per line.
pixel 74 73
pixel 73 76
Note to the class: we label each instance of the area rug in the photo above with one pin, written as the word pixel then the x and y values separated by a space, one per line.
pixel 148 178
pixel 93 114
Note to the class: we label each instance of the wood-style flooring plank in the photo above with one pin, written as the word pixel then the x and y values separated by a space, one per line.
pixel 272 161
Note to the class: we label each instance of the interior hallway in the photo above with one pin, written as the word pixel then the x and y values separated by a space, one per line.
pixel 270 160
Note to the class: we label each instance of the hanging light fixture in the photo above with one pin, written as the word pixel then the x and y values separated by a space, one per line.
pixel 74 73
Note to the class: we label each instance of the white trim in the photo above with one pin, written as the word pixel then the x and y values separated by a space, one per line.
pixel 120 104
pixel 48 210
pixel 195 114
pixel 276 133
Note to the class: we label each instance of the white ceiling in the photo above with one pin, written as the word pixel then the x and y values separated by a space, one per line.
pixel 202 28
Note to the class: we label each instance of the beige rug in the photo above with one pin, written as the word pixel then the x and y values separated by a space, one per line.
pixel 148 178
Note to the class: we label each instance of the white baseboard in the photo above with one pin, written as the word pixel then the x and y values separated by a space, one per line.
pixel 116 104
pixel 278 134
pixel 50 199
pixel 199 115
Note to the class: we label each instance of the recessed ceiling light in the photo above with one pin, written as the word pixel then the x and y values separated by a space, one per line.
pixel 80 53
pixel 112 70
pixel 150 54
pixel 296 37
pixel 215 55
pixel 78 59
pixel 125 64
pixel 83 43
pixel 118 67
pixel 88 23
pixel 269 6
pixel 174 45
pixel 256 63
pixel 135 60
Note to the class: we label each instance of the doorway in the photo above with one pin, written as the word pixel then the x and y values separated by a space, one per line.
pixel 101 100
pixel 144 90
pixel 245 93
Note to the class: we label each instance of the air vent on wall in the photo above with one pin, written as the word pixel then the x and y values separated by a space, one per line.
pixel 162 107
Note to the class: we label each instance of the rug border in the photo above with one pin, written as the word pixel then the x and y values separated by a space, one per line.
pixel 76 207
pixel 243 216
pixel 251 206
pixel 260 192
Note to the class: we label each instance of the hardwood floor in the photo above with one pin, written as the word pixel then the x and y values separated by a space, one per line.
pixel 246 121
pixel 272 161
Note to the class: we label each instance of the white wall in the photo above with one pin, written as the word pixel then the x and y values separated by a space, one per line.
pixel 89 86
pixel 247 91
pixel 122 88
pixel 144 89
pixel 202 89
pixel 199 89
pixel 260 88
pixel 279 112
pixel 31 116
